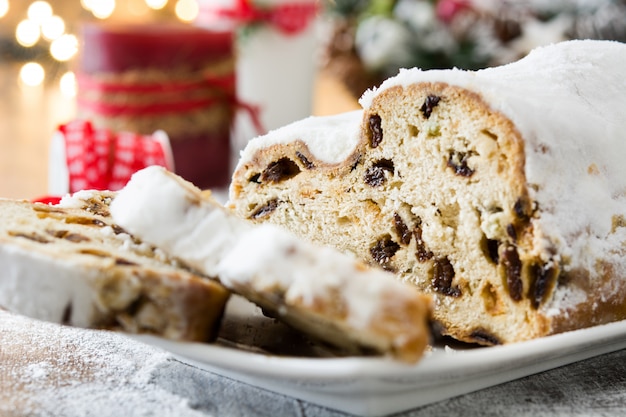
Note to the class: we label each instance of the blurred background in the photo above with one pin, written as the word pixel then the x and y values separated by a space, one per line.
pixel 352 45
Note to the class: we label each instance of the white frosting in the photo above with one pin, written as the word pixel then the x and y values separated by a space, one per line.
pixel 22 288
pixel 155 206
pixel 330 138
pixel 78 199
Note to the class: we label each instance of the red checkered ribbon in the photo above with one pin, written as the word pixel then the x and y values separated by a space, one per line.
pixel 103 160
pixel 289 18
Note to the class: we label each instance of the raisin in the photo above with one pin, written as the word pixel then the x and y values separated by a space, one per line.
pixel 265 210
pixel 99 208
pixel 429 104
pixel 280 170
pixel 67 235
pixel 30 236
pixel 512 272
pixel 443 274
pixel 401 229
pixel 124 262
pixel 384 250
pixel 375 175
pixel 484 337
pixel 76 238
pixel 376 129
pixel 543 279
pixel 421 252
pixel 307 164
pixel 458 162
pixel 118 229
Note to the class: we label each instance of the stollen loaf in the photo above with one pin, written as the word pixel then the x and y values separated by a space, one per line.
pixel 71 264
pixel 500 192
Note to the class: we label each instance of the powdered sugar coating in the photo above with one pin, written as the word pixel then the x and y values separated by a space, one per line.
pixel 568 101
pixel 68 283
pixel 329 138
pixel 180 224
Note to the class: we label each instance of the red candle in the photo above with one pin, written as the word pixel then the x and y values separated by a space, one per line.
pixel 172 77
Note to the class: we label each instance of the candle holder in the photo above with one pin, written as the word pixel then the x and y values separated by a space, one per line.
pixel 172 77
pixel 276 46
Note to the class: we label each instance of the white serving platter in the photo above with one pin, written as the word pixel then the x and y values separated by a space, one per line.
pixel 261 352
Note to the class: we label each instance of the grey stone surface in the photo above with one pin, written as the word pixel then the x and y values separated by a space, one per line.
pixel 56 371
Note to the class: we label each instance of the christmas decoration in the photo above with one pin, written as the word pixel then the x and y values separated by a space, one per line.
pixel 83 157
pixel 276 44
pixel 372 39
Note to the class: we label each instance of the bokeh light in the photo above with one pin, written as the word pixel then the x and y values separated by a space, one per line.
pixel 156 4
pixel 27 33
pixel 64 47
pixel 102 8
pixel 53 27
pixel 39 11
pixel 67 84
pixel 4 8
pixel 32 74
pixel 186 10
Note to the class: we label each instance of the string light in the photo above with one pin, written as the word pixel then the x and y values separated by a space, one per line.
pixel 102 8
pixel 39 11
pixel 64 47
pixel 4 8
pixel 32 74
pixel 52 28
pixel 186 10
pixel 27 33
pixel 67 84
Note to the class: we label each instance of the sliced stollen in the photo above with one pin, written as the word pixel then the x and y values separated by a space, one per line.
pixel 501 192
pixel 317 290
pixel 71 264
